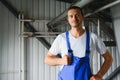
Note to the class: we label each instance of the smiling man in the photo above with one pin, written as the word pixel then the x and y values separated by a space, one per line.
pixel 76 47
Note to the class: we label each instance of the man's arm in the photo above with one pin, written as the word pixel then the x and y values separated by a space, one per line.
pixel 52 60
pixel 104 68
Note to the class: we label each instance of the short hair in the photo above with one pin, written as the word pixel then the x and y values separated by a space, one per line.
pixel 75 7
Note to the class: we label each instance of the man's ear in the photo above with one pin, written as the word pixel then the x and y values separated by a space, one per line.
pixel 67 19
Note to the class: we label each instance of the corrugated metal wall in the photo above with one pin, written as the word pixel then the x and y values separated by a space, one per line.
pixel 9 46
pixel 116 20
pixel 10 52
pixel 97 60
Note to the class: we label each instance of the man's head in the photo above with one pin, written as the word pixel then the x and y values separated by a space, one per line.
pixel 75 16
pixel 75 7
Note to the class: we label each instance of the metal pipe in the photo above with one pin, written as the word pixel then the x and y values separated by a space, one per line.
pixel 19 17
pixel 10 72
pixel 48 32
pixel 41 32
pixel 45 36
pixel 103 8
pixel 62 15
pixel 98 28
pixel 82 3
pixel 22 64
pixel 34 20
pixel 26 24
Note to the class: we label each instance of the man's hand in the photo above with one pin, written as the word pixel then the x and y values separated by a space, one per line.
pixel 66 60
pixel 95 77
pixel 105 66
pixel 52 60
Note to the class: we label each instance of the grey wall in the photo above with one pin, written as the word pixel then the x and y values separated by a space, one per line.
pixel 116 19
pixel 11 55
pixel 97 60
pixel 116 22
pixel 9 46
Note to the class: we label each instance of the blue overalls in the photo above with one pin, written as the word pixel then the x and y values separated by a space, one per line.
pixel 79 69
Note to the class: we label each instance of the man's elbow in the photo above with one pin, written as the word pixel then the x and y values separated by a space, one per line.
pixel 110 59
pixel 46 60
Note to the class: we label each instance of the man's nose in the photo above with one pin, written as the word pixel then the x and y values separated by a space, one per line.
pixel 74 18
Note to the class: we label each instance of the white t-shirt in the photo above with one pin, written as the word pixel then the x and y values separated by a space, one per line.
pixel 78 45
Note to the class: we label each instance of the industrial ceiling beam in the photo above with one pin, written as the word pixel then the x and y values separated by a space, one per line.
pixel 26 24
pixel 68 1
pixel 81 4
pixel 104 16
pixel 63 15
pixel 103 8
pixel 106 29
pixel 110 43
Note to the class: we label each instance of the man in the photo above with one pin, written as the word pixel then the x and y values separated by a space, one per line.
pixel 76 47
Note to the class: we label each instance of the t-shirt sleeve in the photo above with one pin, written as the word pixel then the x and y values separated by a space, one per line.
pixel 55 47
pixel 99 44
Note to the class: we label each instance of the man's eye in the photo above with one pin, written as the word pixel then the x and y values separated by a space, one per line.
pixel 71 16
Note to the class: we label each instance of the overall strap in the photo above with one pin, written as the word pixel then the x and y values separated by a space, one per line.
pixel 87 42
pixel 68 44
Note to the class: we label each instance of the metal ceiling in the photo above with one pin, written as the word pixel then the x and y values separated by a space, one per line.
pixel 92 8
pixel 63 15
pixel 68 1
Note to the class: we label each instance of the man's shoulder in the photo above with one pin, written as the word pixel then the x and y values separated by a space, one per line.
pixel 61 35
pixel 92 34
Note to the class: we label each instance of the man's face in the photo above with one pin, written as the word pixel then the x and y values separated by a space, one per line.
pixel 75 18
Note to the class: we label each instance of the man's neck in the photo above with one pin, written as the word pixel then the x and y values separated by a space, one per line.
pixel 77 32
